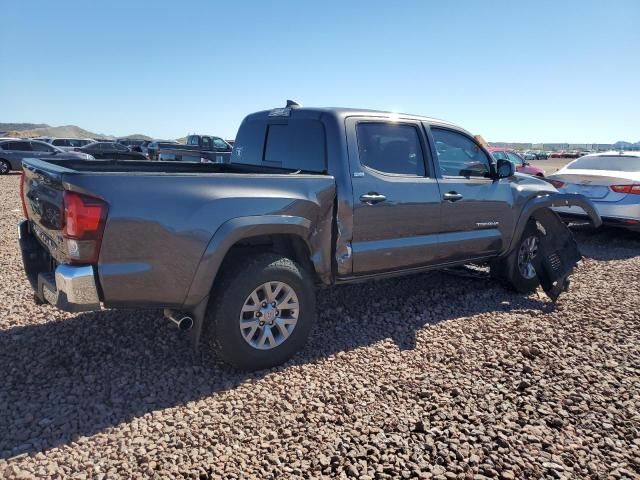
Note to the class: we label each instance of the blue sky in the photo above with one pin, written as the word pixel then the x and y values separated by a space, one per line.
pixel 511 71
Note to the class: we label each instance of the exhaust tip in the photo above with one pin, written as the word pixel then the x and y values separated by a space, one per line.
pixel 180 319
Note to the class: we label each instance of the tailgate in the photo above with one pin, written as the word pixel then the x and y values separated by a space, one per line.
pixel 42 194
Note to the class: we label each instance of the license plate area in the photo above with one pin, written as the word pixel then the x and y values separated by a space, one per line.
pixel 590 191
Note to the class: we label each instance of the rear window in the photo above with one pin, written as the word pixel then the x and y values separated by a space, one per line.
pixel 614 163
pixel 294 145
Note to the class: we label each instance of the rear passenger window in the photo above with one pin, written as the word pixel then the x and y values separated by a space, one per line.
pixel 19 146
pixel 390 148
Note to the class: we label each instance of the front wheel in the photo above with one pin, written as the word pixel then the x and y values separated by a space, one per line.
pixel 517 269
pixel 261 313
pixel 5 167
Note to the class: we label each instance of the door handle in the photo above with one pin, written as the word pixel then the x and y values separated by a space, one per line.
pixel 372 198
pixel 452 196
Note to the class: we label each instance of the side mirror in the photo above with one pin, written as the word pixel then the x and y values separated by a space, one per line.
pixel 504 168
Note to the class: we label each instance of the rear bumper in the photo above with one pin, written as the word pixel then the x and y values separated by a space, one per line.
pixel 625 213
pixel 68 287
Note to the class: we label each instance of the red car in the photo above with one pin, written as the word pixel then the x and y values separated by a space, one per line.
pixel 521 164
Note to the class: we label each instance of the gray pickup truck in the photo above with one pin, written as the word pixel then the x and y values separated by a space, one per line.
pixel 312 197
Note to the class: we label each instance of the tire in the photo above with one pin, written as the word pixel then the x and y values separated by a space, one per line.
pixel 252 347
pixel 510 269
pixel 5 167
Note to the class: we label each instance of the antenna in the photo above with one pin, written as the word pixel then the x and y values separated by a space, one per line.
pixel 293 104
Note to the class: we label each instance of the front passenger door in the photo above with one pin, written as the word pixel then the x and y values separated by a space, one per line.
pixel 477 210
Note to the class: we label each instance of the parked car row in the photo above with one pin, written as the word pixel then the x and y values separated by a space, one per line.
pixel 569 154
pixel 521 164
pixel 12 152
pixel 198 149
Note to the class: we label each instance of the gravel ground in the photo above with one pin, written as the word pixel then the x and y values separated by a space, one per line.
pixel 432 376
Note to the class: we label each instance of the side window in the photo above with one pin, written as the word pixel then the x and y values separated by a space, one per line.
pixel 20 146
pixel 220 144
pixel 499 155
pixel 390 148
pixel 518 161
pixel 41 147
pixel 459 155
pixel 206 143
pixel 120 148
pixel 193 140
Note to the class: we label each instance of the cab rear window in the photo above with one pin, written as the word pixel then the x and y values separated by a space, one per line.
pixel 294 145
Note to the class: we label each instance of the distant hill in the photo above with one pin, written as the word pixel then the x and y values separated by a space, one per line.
pixel 10 127
pixel 28 130
pixel 64 131
pixel 138 136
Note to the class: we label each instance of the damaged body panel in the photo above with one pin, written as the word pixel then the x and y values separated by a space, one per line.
pixel 558 253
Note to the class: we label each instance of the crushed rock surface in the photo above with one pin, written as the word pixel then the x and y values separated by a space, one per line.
pixel 430 376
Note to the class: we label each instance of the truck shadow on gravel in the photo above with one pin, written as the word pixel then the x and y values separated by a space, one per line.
pixel 73 378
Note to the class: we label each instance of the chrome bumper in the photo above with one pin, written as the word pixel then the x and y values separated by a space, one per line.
pixel 70 288
pixel 76 289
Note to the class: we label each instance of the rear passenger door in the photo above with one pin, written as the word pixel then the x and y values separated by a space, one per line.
pixel 396 199
pixel 477 211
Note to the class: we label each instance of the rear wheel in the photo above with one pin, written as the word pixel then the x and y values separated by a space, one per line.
pixel 5 167
pixel 516 269
pixel 262 312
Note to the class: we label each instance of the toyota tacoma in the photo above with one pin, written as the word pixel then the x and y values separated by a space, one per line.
pixel 311 197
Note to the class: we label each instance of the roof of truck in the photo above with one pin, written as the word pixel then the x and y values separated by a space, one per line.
pixel 358 112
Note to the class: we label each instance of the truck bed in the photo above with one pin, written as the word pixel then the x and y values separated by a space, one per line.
pixel 135 166
pixel 162 218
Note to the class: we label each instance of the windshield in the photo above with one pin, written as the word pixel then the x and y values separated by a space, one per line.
pixel 616 163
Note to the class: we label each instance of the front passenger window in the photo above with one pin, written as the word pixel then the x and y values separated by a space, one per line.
pixel 390 148
pixel 459 155
pixel 41 147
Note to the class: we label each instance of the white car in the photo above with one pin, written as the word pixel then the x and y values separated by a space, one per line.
pixel 69 144
pixel 611 180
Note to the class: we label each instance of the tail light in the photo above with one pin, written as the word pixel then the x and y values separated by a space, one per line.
pixel 557 183
pixel 633 189
pixel 84 220
pixel 23 179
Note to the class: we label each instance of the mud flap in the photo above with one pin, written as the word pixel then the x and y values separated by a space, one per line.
pixel 558 253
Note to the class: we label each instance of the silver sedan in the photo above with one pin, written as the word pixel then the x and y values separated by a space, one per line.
pixel 611 180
